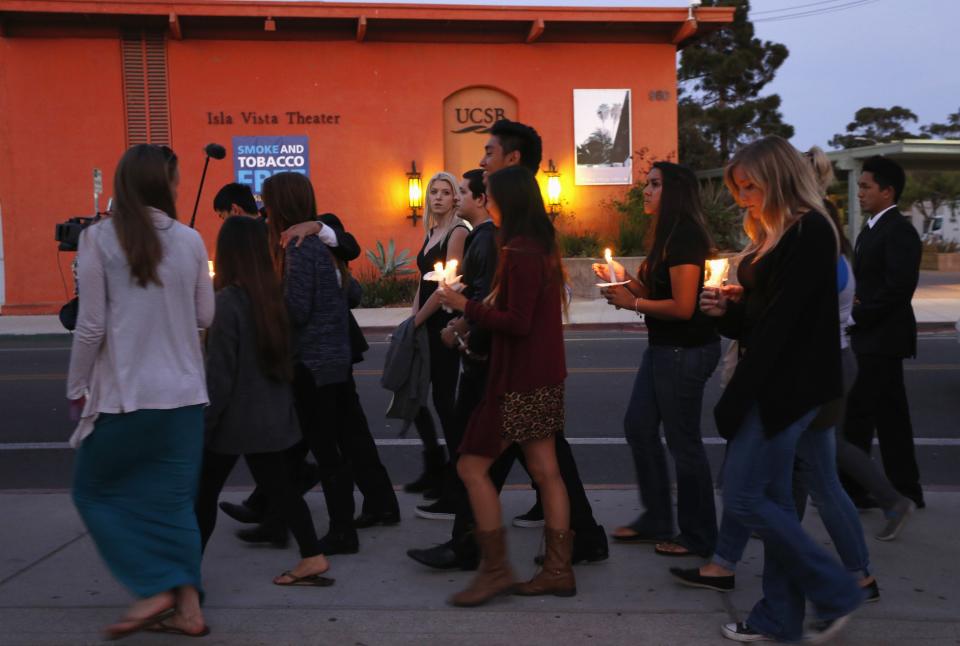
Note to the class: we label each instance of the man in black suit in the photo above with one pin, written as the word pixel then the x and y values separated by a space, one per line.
pixel 884 331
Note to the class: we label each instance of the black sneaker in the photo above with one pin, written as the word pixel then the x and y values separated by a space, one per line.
pixel 741 632
pixel 821 632
pixel 533 518
pixel 691 577
pixel 440 510
pixel 871 592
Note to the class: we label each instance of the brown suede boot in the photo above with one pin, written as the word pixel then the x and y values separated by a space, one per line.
pixel 494 576
pixel 556 576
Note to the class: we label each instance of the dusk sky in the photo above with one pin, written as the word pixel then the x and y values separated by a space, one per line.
pixel 845 55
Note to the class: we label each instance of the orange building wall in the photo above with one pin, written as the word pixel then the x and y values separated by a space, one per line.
pixel 61 114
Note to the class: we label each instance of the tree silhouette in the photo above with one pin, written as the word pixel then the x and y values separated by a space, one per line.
pixel 721 77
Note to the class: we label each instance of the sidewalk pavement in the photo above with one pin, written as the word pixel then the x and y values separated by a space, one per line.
pixel 54 589
pixel 935 306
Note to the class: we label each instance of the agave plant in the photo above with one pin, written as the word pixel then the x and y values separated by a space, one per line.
pixel 388 262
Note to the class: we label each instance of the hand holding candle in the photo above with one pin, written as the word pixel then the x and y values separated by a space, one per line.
pixel 445 275
pixel 611 269
pixel 715 273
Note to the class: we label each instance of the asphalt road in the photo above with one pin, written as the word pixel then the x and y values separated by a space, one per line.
pixel 34 425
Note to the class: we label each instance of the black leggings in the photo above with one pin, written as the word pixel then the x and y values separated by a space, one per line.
pixel 318 408
pixel 444 371
pixel 271 473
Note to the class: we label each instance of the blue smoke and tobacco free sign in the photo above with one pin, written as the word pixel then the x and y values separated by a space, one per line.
pixel 257 158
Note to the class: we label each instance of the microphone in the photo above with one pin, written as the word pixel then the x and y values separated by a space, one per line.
pixel 210 150
pixel 215 150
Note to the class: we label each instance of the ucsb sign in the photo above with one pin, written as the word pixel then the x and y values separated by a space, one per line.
pixel 477 120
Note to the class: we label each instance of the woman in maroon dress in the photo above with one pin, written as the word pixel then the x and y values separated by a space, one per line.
pixel 524 396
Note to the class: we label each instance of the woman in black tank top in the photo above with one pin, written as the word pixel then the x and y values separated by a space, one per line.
pixel 445 236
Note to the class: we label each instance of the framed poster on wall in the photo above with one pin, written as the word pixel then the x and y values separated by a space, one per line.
pixel 602 136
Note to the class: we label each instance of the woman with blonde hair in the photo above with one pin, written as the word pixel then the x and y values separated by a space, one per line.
pixel 786 320
pixel 445 236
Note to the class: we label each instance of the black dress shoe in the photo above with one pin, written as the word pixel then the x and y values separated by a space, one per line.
pixel 589 546
pixel 371 518
pixel 692 577
pixel 241 513
pixel 275 537
pixel 340 542
pixel 444 557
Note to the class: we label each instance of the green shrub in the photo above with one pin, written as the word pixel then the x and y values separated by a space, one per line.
pixel 724 221
pixel 580 245
pixel 388 262
pixel 633 227
pixel 387 292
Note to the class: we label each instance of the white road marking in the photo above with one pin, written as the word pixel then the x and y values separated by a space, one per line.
pixel 407 441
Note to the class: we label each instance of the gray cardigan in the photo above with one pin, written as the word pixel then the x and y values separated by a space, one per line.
pixel 318 312
pixel 248 412
pixel 406 371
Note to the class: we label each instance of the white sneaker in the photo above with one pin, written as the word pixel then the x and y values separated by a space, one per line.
pixel 741 632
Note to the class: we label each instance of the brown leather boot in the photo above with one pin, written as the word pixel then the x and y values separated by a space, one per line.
pixel 556 576
pixel 494 576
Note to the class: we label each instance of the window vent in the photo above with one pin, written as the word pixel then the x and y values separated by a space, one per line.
pixel 146 101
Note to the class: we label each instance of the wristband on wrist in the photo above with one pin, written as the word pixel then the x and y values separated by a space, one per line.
pixel 636 306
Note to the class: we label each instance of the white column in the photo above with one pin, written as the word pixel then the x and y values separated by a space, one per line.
pixel 854 215
pixel 3 284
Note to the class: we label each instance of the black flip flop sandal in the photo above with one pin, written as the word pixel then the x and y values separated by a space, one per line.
pixel 138 625
pixel 311 580
pixel 664 549
pixel 638 537
pixel 167 629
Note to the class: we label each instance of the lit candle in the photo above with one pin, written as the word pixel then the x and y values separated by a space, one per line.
pixel 450 272
pixel 608 256
pixel 210 268
pixel 715 273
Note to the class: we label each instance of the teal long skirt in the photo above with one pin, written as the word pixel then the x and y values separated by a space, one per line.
pixel 135 483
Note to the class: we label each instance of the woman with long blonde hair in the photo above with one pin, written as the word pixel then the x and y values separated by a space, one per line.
pixel 445 235
pixel 786 319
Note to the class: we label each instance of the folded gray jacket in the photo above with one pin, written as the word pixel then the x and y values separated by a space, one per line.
pixel 406 372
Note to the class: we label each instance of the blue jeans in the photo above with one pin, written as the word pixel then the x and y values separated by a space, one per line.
pixel 817 469
pixel 758 495
pixel 669 390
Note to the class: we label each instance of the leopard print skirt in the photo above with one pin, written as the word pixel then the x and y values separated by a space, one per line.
pixel 532 415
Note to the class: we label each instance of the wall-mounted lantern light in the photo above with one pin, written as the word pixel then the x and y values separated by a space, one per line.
pixel 553 188
pixel 414 192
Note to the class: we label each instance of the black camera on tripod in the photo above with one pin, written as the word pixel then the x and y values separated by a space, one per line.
pixel 68 233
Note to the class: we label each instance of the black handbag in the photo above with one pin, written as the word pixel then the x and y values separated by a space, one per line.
pixel 69 312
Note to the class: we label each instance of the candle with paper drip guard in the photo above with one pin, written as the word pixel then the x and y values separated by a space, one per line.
pixel 445 275
pixel 608 256
pixel 715 273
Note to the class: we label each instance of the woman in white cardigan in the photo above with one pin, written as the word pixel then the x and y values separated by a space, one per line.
pixel 137 380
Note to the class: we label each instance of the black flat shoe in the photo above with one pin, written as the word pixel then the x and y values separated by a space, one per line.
pixel 444 557
pixel 339 542
pixel 589 546
pixel 691 577
pixel 261 534
pixel 241 513
pixel 370 519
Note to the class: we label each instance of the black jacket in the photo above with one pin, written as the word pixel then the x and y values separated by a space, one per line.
pixel 249 412
pixel 787 326
pixel 479 268
pixel 886 265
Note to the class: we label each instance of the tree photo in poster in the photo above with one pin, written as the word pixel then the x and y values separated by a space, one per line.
pixel 601 128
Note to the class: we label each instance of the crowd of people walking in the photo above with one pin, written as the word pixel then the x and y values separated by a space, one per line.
pixel 819 329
